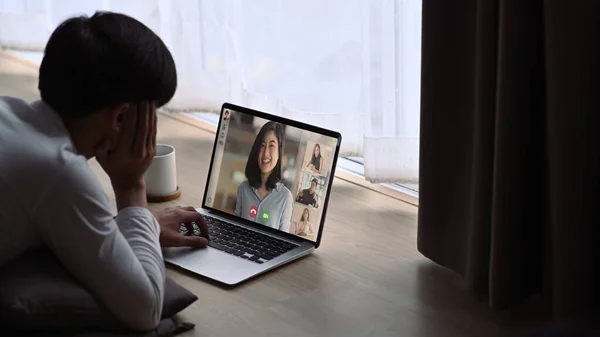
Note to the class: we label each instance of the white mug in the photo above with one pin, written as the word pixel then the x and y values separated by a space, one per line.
pixel 161 176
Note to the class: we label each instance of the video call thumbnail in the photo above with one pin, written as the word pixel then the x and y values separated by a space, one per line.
pixel 271 173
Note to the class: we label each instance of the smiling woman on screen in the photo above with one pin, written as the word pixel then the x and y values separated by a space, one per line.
pixel 316 160
pixel 263 198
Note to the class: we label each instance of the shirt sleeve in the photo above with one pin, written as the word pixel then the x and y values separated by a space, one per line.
pixel 286 215
pixel 119 260
pixel 238 201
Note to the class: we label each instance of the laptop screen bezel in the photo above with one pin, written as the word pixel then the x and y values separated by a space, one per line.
pixel 290 123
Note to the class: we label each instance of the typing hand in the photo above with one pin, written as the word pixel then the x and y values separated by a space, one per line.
pixel 170 220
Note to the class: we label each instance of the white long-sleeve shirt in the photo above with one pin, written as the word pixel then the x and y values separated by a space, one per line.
pixel 50 197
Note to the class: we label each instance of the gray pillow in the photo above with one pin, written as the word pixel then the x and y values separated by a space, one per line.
pixel 38 294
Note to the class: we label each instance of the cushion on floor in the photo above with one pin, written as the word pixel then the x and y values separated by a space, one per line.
pixel 39 296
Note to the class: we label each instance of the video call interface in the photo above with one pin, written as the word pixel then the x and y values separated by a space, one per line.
pixel 270 173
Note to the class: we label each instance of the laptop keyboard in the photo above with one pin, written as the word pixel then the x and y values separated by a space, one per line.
pixel 240 241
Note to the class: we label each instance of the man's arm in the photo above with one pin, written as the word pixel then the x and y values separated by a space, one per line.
pixel 118 260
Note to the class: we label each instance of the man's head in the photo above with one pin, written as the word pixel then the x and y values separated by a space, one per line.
pixel 94 67
pixel 313 185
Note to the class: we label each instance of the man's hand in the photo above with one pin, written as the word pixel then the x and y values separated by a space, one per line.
pixel 170 220
pixel 127 161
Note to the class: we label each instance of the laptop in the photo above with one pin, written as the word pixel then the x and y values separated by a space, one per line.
pixel 266 195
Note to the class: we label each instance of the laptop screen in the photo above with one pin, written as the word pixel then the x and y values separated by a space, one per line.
pixel 270 173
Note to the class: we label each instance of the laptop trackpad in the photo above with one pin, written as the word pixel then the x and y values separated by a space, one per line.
pixel 211 263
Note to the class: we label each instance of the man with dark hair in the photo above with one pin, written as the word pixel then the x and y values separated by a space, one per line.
pixel 101 80
pixel 309 196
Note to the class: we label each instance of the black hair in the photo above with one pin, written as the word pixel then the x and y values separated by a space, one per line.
pixel 252 169
pixel 92 63
pixel 314 180
pixel 315 158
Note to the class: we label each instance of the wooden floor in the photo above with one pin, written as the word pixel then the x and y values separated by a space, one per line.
pixel 367 279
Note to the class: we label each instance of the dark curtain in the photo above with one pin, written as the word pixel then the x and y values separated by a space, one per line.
pixel 510 145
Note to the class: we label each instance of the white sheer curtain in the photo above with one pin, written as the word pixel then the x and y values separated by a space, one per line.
pixel 349 65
